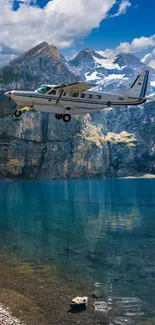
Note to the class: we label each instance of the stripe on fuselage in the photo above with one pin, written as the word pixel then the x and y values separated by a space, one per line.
pixel 77 100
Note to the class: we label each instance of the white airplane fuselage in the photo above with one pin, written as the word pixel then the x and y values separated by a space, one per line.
pixel 83 102
pixel 78 98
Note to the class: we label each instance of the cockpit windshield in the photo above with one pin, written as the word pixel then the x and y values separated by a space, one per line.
pixel 43 89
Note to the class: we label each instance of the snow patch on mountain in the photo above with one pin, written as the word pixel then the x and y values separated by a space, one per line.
pixel 152 83
pixel 92 76
pixel 115 76
pixel 111 82
pixel 107 64
pixel 101 79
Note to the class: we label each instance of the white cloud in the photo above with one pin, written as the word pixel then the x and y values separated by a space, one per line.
pixel 149 59
pixel 60 22
pixel 7 54
pixel 123 6
pixel 108 53
pixel 136 46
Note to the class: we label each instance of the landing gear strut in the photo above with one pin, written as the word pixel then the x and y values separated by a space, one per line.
pixel 17 113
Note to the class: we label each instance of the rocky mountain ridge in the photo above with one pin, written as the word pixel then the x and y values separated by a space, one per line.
pixel 110 73
pixel 41 64
pixel 45 64
pixel 110 143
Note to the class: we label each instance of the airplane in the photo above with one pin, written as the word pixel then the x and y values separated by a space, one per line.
pixel 75 98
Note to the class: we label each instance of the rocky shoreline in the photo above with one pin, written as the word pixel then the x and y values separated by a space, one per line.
pixel 6 317
pixel 141 176
pixel 40 294
pixel 147 176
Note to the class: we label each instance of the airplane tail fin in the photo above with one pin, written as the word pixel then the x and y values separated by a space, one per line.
pixel 139 87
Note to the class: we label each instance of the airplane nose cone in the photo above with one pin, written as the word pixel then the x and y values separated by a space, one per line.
pixel 8 93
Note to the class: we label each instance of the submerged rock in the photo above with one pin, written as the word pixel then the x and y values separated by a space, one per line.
pixel 97 296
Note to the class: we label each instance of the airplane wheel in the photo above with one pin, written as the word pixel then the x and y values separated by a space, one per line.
pixel 58 116
pixel 17 113
pixel 66 118
pixel 109 104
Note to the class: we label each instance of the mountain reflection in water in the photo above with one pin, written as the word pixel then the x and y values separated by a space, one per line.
pixel 100 229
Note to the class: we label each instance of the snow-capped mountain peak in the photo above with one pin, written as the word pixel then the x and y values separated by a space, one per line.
pixel 45 64
pixel 109 72
pixel 41 64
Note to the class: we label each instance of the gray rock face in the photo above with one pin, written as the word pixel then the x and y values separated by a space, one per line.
pixel 110 73
pixel 39 146
pixel 85 61
pixel 111 143
pixel 42 64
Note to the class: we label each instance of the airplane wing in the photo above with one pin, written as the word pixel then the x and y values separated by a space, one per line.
pixel 76 87
pixel 79 86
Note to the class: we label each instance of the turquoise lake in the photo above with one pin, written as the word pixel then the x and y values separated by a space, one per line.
pixel 102 230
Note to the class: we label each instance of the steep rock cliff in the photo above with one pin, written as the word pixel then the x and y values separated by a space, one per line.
pixel 112 143
pixel 41 64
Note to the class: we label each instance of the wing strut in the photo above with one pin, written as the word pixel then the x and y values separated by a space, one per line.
pixel 61 93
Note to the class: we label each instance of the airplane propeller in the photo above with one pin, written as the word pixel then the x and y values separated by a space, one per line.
pixel 7 93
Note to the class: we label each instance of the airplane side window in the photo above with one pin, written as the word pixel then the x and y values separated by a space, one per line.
pixel 91 96
pixel 83 95
pixel 75 94
pixel 53 92
pixel 98 97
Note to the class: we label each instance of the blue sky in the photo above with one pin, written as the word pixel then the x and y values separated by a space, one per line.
pixel 138 21
pixel 71 25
